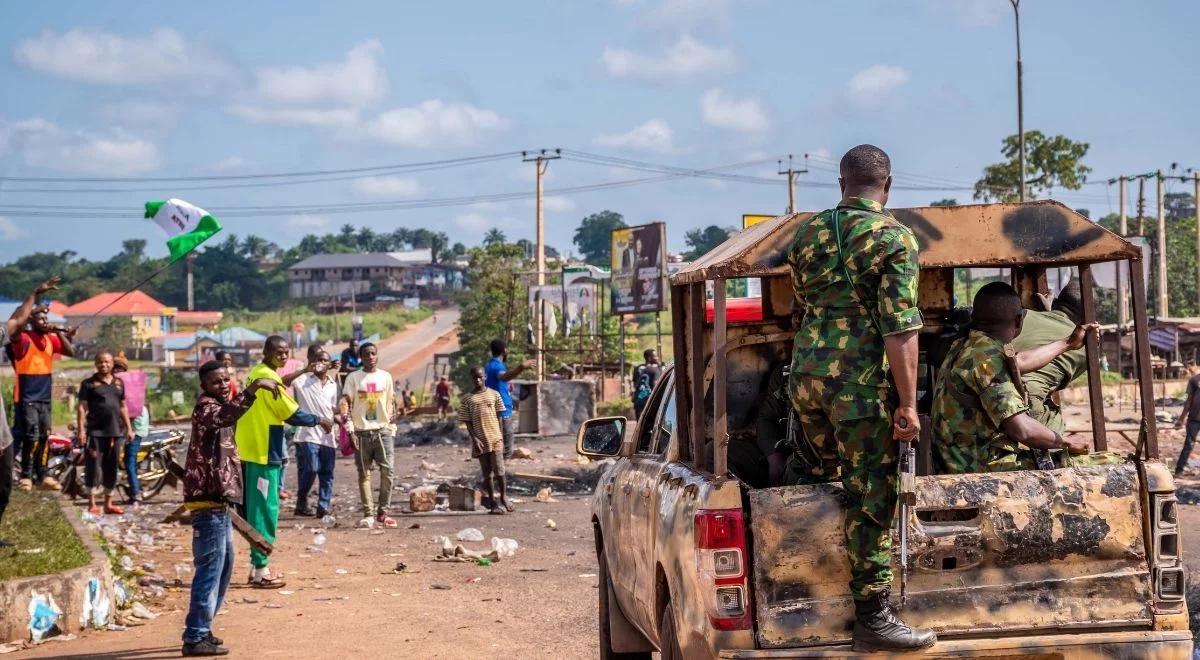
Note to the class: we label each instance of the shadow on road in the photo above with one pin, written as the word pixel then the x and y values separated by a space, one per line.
pixel 135 654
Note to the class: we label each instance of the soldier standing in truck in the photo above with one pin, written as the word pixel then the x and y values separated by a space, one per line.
pixel 854 272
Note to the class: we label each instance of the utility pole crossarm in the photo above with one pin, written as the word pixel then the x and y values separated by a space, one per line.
pixel 791 173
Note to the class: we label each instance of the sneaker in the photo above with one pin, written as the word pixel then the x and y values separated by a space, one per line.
pixel 321 513
pixel 215 640
pixel 25 485
pixel 49 483
pixel 385 520
pixel 204 647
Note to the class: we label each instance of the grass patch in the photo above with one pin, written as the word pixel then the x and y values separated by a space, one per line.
pixel 32 521
pixel 384 322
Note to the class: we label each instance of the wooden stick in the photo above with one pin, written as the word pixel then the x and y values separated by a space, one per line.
pixel 255 539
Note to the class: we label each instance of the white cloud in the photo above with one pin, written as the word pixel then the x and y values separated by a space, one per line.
pixel 746 115
pixel 686 58
pixel 315 117
pixel 434 123
pixel 9 231
pixel 388 186
pixel 654 135
pixel 868 86
pixel 103 58
pixel 357 80
pixel 307 221
pixel 473 221
pixel 44 144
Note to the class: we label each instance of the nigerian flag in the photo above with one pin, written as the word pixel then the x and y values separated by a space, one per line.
pixel 187 226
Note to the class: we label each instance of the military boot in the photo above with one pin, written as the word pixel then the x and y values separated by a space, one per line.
pixel 877 628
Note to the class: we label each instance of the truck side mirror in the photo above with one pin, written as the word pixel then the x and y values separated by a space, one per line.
pixel 601 437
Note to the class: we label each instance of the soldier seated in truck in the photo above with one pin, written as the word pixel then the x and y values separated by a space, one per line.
pixel 980 415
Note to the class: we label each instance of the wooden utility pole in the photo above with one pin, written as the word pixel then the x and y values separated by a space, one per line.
pixel 541 161
pixel 791 173
pixel 1141 206
pixel 1122 296
pixel 1163 310
pixel 1196 193
pixel 191 298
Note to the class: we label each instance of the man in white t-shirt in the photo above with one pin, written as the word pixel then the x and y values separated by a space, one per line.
pixel 370 396
pixel 316 390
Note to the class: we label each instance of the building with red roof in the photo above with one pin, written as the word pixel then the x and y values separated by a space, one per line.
pixel 148 317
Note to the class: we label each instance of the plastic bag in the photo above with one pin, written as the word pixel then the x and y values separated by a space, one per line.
pixel 470 534
pixel 43 616
pixel 504 547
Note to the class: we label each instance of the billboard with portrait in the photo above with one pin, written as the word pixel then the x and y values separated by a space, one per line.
pixel 638 281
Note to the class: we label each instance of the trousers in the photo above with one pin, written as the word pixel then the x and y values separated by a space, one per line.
pixel 315 464
pixel 375 448
pixel 855 422
pixel 260 494
pixel 212 555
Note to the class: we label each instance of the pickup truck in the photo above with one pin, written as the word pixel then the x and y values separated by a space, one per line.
pixel 694 562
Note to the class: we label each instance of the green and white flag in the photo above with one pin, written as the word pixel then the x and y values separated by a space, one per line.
pixel 187 225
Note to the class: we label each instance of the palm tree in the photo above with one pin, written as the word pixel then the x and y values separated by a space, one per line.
pixel 494 237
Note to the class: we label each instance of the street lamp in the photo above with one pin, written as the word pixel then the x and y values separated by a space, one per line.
pixel 1020 98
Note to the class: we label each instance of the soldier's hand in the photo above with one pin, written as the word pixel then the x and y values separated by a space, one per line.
pixel 1077 446
pixel 906 426
pixel 1077 337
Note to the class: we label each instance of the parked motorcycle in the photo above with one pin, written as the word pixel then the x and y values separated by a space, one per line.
pixel 64 462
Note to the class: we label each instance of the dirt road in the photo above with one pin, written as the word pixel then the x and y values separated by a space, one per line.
pixel 345 601
pixel 407 354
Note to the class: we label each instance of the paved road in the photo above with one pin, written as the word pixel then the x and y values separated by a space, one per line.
pixel 407 354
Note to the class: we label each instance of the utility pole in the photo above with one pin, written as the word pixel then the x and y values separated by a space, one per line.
pixel 1196 193
pixel 1141 207
pixel 1020 97
pixel 191 299
pixel 1163 311
pixel 791 173
pixel 541 161
pixel 1122 316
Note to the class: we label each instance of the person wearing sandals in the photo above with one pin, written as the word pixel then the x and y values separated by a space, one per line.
pixel 211 484
pixel 483 412
pixel 259 436
pixel 102 422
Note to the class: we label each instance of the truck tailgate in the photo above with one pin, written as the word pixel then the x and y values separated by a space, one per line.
pixel 1014 551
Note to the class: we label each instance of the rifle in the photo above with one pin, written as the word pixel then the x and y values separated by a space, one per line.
pixel 908 499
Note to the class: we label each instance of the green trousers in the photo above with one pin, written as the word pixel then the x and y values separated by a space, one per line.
pixel 260 485
pixel 854 422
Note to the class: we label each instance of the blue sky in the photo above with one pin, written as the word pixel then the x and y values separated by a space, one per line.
pixel 169 89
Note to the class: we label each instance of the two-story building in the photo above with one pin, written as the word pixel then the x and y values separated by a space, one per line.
pixel 148 317
pixel 408 273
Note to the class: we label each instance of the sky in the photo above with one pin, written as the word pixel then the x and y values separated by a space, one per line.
pixel 154 90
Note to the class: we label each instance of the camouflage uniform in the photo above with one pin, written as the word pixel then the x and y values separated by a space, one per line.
pixel 974 394
pixel 838 381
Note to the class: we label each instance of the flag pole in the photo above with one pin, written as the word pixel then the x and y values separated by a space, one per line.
pixel 135 287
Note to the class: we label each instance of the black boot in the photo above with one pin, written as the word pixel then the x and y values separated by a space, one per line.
pixel 877 628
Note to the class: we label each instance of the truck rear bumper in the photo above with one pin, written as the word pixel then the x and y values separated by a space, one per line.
pixel 1151 645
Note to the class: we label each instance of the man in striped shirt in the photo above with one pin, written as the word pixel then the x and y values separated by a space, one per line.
pixel 483 411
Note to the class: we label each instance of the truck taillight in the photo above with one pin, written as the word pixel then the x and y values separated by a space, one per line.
pixel 720 537
pixel 1167 575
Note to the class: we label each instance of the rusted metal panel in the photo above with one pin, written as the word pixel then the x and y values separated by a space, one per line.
pixel 935 290
pixel 1030 281
pixel 720 421
pixel 1000 235
pixel 679 340
pixel 695 329
pixel 1000 551
pixel 1148 441
pixel 1092 346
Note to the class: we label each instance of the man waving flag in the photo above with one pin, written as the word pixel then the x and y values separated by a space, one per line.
pixel 187 225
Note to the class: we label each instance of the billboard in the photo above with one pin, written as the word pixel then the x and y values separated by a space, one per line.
pixel 638 281
pixel 579 297
pixel 749 220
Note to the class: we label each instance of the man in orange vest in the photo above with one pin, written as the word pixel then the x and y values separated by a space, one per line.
pixel 32 355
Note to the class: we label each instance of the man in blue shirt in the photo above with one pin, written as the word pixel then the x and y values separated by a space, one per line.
pixel 496 376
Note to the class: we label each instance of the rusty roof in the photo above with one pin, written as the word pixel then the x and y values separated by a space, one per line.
pixel 986 235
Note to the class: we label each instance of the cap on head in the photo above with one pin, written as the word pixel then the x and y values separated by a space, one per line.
pixel 865 166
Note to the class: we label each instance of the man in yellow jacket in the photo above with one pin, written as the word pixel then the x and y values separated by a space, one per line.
pixel 261 447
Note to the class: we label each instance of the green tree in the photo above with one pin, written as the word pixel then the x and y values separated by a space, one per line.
pixel 945 201
pixel 1181 269
pixel 593 236
pixel 1050 162
pixel 1179 205
pixel 494 237
pixel 493 305
pixel 702 240
pixel 115 334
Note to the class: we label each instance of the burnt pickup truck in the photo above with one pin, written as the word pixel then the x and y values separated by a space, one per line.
pixel 695 562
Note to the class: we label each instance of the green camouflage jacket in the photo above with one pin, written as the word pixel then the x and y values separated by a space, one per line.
pixel 838 337
pixel 974 394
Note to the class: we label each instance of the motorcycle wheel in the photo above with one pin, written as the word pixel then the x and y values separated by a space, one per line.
pixel 155 464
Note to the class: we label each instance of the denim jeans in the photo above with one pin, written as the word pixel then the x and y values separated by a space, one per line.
pixel 1193 427
pixel 212 554
pixel 132 447
pixel 315 463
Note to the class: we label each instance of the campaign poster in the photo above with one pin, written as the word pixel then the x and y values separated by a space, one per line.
pixel 639 255
pixel 579 297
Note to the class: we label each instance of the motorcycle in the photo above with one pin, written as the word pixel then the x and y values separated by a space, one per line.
pixel 64 462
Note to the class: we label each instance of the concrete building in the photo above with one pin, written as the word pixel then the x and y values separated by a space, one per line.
pixel 409 273
pixel 149 318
